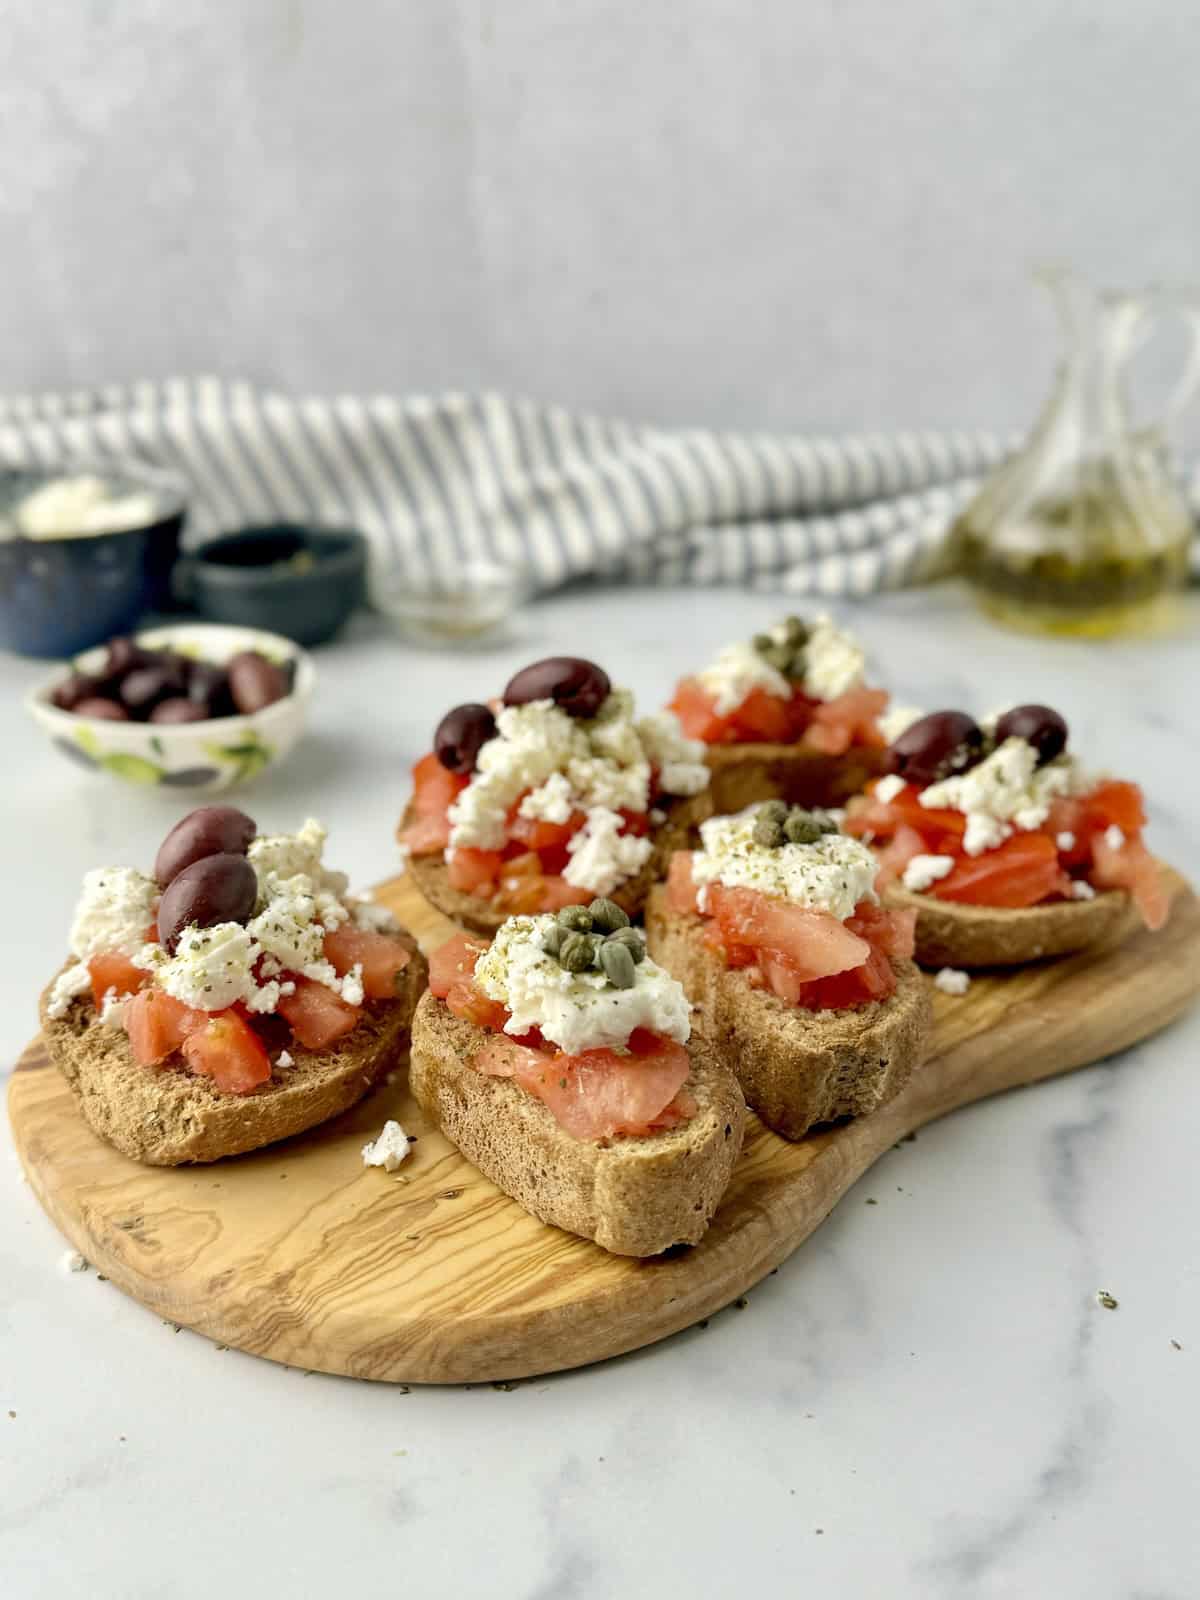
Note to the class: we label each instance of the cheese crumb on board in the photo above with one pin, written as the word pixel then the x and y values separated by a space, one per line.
pixel 951 981
pixel 388 1149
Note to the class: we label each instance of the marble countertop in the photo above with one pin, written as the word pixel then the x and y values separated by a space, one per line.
pixel 925 1401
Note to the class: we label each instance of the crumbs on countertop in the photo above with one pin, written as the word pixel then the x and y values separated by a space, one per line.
pixel 72 1261
pixel 1108 1301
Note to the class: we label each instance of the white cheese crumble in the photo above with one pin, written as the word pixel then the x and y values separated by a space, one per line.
pixel 1065 840
pixel 1082 890
pixel 285 1059
pixel 888 788
pixel 1007 789
pixel 737 671
pixel 835 874
pixel 897 720
pixel 66 988
pixel 211 969
pixel 575 1010
pixel 72 1261
pixel 388 1149
pixel 922 871
pixel 115 910
pixel 951 981
pixel 833 661
pixel 112 1009
pixel 556 764
pixel 1114 837
pixel 601 856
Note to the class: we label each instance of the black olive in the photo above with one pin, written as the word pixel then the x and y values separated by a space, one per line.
pixel 461 734
pixel 1039 726
pixel 579 687
pixel 936 747
pixel 207 831
pixel 215 889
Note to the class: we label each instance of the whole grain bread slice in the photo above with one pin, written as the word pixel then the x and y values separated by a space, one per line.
pixel 166 1116
pixel 950 934
pixel 797 1068
pixel 746 774
pixel 633 1196
pixel 678 832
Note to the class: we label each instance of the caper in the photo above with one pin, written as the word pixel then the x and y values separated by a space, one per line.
pixel 607 916
pixel 802 828
pixel 578 919
pixel 577 953
pixel 773 808
pixel 795 630
pixel 552 938
pixel 778 656
pixel 633 942
pixel 618 964
pixel 769 832
pixel 763 642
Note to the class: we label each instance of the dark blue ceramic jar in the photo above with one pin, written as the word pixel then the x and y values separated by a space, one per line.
pixel 61 595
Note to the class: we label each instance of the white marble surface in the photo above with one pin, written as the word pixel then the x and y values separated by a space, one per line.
pixel 926 1401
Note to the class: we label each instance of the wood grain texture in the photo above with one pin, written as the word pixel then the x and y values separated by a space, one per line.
pixel 300 1254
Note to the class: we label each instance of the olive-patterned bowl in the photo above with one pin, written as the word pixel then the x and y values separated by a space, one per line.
pixel 209 756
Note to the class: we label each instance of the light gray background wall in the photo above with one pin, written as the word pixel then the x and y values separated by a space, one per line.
pixel 772 212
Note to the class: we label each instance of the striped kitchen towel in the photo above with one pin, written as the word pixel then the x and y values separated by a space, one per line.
pixel 434 483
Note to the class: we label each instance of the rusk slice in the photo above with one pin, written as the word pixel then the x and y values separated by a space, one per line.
pixel 166 1116
pixel 951 934
pixel 746 774
pixel 432 876
pixel 797 1068
pixel 633 1196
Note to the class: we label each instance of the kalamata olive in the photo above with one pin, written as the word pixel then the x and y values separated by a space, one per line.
pixel 208 685
pixel 123 656
pixel 460 736
pixel 144 687
pixel 255 682
pixel 937 746
pixel 579 687
pixel 98 706
pixel 207 831
pixel 79 686
pixel 215 889
pixel 1039 726
pixel 179 710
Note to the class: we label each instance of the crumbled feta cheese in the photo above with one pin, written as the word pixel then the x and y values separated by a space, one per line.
pixel 388 1149
pixel 72 1261
pixel 833 661
pixel 1065 840
pixel 834 874
pixel 67 987
pixel 284 1059
pixel 286 854
pixel 922 871
pixel 576 1011
pixel 951 981
pixel 212 968
pixel 1006 789
pixel 113 1008
pixel 897 720
pixel 657 817
pixel 679 760
pixel 1082 890
pixel 552 801
pixel 114 912
pixel 737 671
pixel 372 918
pixel 888 788
pixel 601 856
pixel 351 987
pixel 596 781
pixel 1114 837
pixel 288 927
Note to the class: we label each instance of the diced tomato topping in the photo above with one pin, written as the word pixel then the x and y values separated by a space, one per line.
pixel 228 1051
pixel 851 719
pixel 473 871
pixel 466 1000
pixel 158 1024
pixel 425 836
pixel 316 1015
pixel 598 1093
pixel 382 958
pixel 533 833
pixel 894 856
pixel 874 980
pixel 831 726
pixel 1131 867
pixel 1019 872
pixel 531 895
pixel 893 932
pixel 454 962
pixel 681 886
pixel 114 971
pixel 434 792
pixel 815 942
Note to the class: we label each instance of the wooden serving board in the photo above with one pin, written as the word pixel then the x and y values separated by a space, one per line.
pixel 300 1254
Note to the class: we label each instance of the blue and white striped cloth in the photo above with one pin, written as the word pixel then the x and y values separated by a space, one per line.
pixel 436 482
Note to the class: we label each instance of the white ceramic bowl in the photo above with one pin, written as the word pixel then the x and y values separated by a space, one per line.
pixel 190 755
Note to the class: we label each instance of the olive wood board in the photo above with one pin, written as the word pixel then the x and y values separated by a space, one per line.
pixel 300 1254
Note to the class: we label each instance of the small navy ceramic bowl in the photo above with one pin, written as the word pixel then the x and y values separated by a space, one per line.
pixel 64 591
pixel 299 581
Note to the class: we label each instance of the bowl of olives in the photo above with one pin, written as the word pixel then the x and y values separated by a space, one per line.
pixel 187 706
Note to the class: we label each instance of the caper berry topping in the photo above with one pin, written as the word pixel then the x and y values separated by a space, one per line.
pixel 773 808
pixel 769 831
pixel 552 938
pixel 578 919
pixel 763 642
pixel 616 961
pixel 795 631
pixel 783 648
pixel 607 916
pixel 633 942
pixel 577 953
pixel 802 827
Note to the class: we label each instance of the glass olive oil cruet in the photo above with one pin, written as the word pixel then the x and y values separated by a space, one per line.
pixel 1084 531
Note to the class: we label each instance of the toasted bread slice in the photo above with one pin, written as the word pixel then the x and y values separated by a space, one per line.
pixel 745 774
pixel 432 876
pixel 166 1116
pixel 633 1196
pixel 951 934
pixel 796 1068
